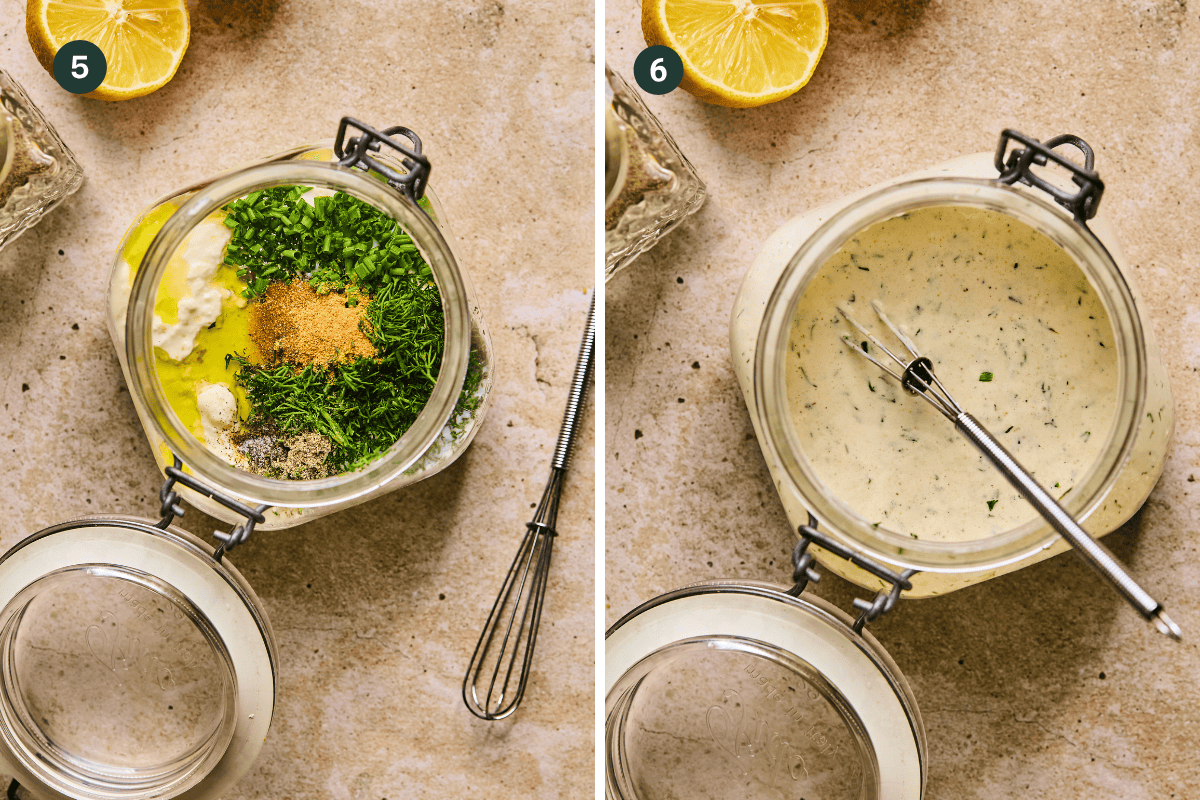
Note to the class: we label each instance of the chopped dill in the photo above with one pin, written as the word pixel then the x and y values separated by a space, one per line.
pixel 992 504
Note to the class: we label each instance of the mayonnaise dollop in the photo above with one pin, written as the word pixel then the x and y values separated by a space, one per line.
pixel 203 251
pixel 218 417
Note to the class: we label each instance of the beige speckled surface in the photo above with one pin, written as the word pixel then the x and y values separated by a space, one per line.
pixel 375 609
pixel 1041 683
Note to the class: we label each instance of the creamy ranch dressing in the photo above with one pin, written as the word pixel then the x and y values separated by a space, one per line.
pixel 980 292
pixel 1134 480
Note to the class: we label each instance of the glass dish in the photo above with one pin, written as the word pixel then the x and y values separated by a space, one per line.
pixel 649 185
pixel 37 171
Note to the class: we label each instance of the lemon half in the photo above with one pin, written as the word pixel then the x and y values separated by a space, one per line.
pixel 142 40
pixel 740 53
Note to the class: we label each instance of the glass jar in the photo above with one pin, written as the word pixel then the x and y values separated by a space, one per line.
pixel 649 185
pixel 134 664
pixel 1133 452
pixel 37 171
pixel 730 689
pixel 444 427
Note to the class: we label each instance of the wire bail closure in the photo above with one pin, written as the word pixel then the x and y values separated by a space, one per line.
pixel 171 507
pixel 355 152
pixel 804 572
pixel 1017 167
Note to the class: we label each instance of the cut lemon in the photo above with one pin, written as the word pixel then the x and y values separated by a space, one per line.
pixel 142 40
pixel 740 53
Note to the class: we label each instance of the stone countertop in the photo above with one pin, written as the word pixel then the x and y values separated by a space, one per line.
pixel 1040 683
pixel 375 609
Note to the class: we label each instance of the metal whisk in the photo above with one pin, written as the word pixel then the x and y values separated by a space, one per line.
pixel 505 649
pixel 917 376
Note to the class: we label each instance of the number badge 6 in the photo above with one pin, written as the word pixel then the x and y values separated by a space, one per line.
pixel 658 69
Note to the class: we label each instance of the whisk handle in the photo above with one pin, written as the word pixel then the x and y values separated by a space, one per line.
pixel 579 382
pixel 1094 553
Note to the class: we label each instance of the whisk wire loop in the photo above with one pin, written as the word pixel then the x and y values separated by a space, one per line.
pixel 505 648
pixel 918 377
pixel 916 371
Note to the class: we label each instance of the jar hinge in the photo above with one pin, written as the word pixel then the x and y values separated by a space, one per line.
pixel 1017 167
pixel 355 152
pixel 170 507
pixel 804 571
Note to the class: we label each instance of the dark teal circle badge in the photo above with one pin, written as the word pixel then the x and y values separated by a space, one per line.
pixel 658 69
pixel 80 67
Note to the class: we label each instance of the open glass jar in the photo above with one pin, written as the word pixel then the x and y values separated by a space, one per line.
pixel 1122 468
pixel 391 176
pixel 649 185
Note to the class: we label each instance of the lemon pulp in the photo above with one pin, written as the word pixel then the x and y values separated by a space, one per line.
pixel 143 41
pixel 740 53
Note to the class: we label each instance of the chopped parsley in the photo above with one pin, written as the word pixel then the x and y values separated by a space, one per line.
pixel 992 504
pixel 986 377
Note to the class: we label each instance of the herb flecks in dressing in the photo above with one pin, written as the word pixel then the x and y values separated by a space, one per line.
pixel 986 295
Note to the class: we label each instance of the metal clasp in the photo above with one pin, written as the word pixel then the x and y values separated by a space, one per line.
pixel 170 507
pixel 355 152
pixel 1017 167
pixel 804 571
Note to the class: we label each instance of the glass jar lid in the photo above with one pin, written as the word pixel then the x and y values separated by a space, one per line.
pixel 738 690
pixel 133 664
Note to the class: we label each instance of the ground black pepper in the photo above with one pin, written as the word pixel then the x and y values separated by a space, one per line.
pixel 27 160
pixel 271 452
pixel 643 175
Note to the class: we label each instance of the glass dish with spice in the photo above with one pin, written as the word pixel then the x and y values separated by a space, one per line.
pixel 298 333
pixel 650 186
pixel 37 171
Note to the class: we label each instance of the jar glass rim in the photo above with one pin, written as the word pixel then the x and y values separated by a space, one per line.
pixel 147 391
pixel 770 386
